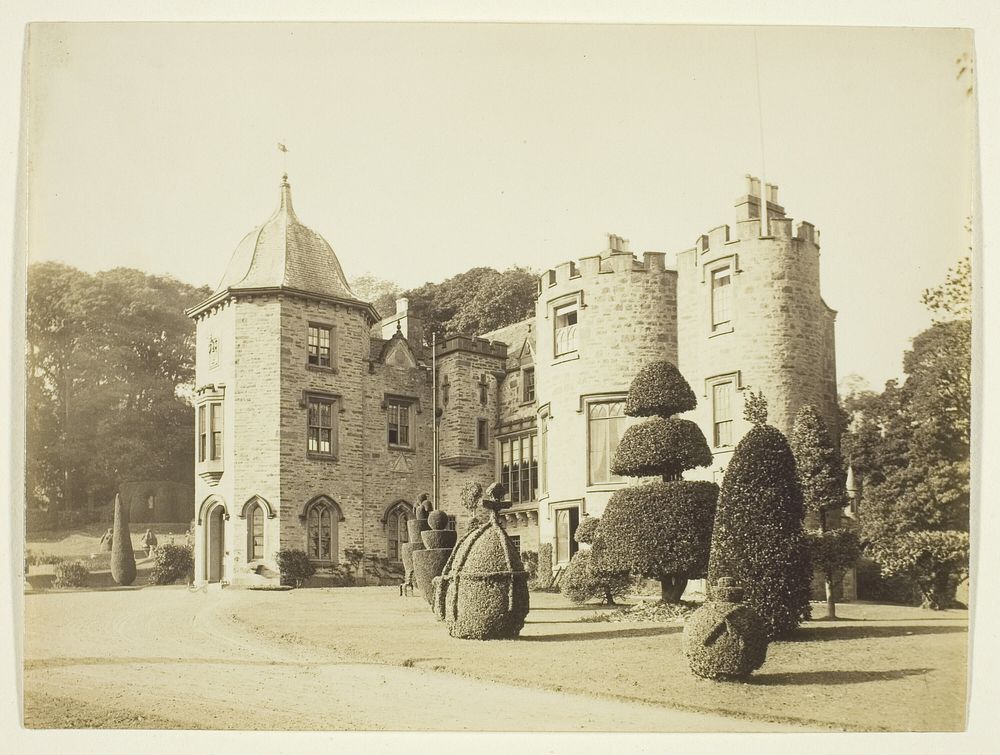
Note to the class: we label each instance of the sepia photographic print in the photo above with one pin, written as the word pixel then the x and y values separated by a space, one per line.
pixel 497 377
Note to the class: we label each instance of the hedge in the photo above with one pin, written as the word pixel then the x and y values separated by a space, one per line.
pixel 71 574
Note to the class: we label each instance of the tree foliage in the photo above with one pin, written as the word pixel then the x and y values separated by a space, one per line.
pixel 661 529
pixel 110 360
pixel 758 537
pixel 476 301
pixel 953 298
pixel 380 292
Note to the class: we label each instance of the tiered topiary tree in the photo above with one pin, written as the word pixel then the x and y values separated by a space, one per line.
pixel 660 529
pixel 122 555
pixel 758 538
pixel 429 561
pixel 584 578
pixel 823 480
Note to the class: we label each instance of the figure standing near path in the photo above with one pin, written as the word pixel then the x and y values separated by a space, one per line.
pixel 106 540
pixel 149 540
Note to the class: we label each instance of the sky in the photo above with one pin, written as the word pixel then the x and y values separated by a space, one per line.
pixel 419 151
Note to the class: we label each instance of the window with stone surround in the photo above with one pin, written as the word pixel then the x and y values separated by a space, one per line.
pixel 321 532
pixel 482 435
pixel 518 463
pixel 398 423
pixel 528 385
pixel 395 531
pixel 319 345
pixel 567 520
pixel 722 414
pixel 515 540
pixel 210 431
pixel 722 299
pixel 543 442
pixel 605 425
pixel 565 318
pixel 321 426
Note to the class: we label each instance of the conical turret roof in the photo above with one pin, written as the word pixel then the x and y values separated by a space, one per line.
pixel 285 253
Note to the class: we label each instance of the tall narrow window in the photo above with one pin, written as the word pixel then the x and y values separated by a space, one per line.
pixel 216 416
pixel 395 531
pixel 722 414
pixel 321 532
pixel 483 390
pixel 319 430
pixel 482 435
pixel 565 328
pixel 528 393
pixel 318 346
pixel 398 418
pixel 722 299
pixel 519 467
pixel 255 532
pixel 202 433
pixel 544 441
pixel 606 423
pixel 566 523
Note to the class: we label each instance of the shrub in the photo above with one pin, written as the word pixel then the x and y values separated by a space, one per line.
pixel 723 639
pixel 660 530
pixel 294 566
pixel 661 447
pixel 543 574
pixel 530 561
pixel 122 556
pixel 583 580
pixel 936 562
pixel 586 531
pixel 71 574
pixel 659 390
pixel 34 559
pixel 171 563
pixel 758 537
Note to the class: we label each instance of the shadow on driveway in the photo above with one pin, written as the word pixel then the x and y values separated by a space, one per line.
pixel 607 635
pixel 833 677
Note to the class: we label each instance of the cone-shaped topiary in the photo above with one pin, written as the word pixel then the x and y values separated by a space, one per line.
pixel 661 529
pixel 662 448
pixel 758 537
pixel 484 589
pixel 724 639
pixel 122 555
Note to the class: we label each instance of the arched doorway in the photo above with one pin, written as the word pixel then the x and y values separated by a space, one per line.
pixel 215 543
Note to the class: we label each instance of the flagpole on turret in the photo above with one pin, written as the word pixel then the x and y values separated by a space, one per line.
pixel 434 416
pixel 765 229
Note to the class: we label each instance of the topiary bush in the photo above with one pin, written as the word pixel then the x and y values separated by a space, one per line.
pixel 171 563
pixel 294 566
pixel 544 574
pixel 583 580
pixel 661 447
pixel 586 531
pixel 530 561
pixel 71 574
pixel 724 639
pixel 122 556
pixel 758 537
pixel 429 562
pixel 661 529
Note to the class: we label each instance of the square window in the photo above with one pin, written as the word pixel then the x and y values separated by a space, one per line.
pixel 398 423
pixel 319 346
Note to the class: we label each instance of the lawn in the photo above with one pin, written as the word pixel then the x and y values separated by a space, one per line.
pixel 879 668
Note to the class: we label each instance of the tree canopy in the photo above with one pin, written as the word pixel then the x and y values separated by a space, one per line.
pixel 110 362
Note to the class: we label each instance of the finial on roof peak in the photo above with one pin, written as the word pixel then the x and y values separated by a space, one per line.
pixel 286 195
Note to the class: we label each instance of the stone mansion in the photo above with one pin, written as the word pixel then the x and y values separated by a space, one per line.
pixel 315 419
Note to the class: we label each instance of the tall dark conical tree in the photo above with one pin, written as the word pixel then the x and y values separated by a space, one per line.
pixel 660 529
pixel 122 555
pixel 758 537
pixel 824 494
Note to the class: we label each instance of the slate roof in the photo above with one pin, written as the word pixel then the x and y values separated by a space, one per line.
pixel 283 252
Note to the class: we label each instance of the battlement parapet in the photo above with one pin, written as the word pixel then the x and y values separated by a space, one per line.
pixel 610 262
pixel 472 344
pixel 780 228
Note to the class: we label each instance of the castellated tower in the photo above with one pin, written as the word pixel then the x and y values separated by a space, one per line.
pixel 598 322
pixel 751 317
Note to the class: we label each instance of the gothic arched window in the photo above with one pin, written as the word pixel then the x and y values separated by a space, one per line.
pixel 395 531
pixel 255 533
pixel 321 532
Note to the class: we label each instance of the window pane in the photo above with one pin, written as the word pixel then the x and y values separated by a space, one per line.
pixel 721 297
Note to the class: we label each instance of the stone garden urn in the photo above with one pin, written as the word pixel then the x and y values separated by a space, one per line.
pixel 430 561
pixel 725 639
pixel 483 592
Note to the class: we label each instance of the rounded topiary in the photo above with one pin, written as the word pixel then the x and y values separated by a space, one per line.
pixel 659 390
pixel 437 520
pixel 724 639
pixel 170 563
pixel 434 539
pixel 661 530
pixel 758 538
pixel 661 447
pixel 122 556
